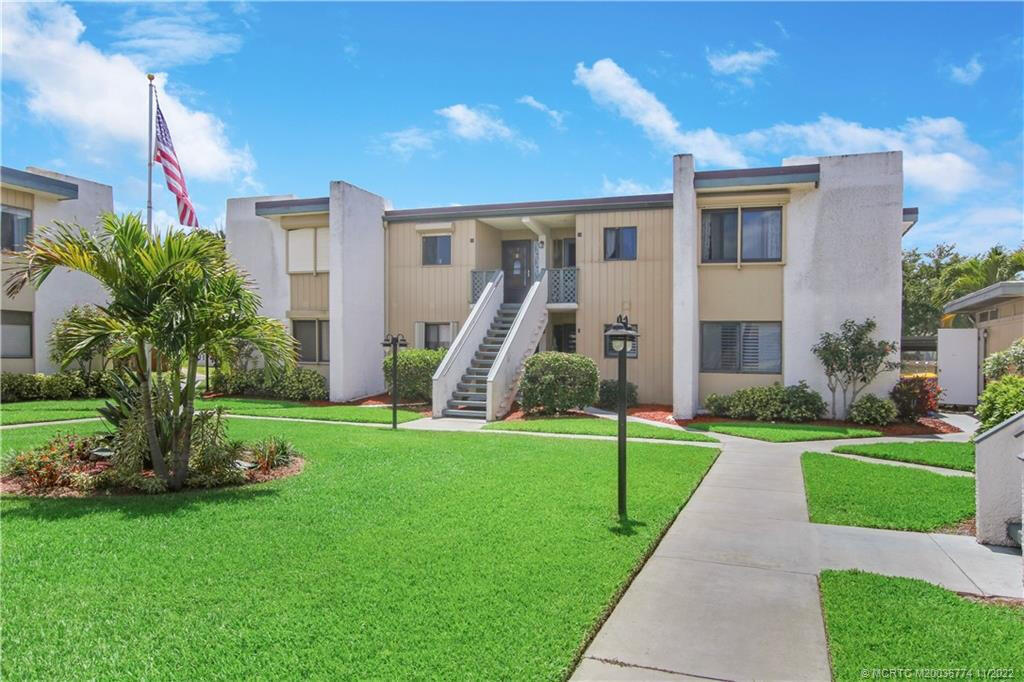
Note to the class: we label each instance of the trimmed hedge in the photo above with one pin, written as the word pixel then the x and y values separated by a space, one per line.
pixel 299 383
pixel 558 382
pixel 608 394
pixel 915 397
pixel 796 403
pixel 62 386
pixel 870 409
pixel 999 401
pixel 416 367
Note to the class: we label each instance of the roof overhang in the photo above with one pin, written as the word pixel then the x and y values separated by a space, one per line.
pixel 909 218
pixel 35 183
pixel 529 208
pixel 282 207
pixel 774 177
pixel 991 295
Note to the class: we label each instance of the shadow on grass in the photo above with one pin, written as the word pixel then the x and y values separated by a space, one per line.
pixel 627 526
pixel 131 506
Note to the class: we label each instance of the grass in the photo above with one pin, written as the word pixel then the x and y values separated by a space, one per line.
pixel 52 410
pixel 851 493
pixel 394 555
pixel 596 427
pixel 783 432
pixel 944 454
pixel 877 622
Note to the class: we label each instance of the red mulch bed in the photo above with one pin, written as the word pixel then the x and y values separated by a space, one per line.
pixel 18 485
pixel 925 426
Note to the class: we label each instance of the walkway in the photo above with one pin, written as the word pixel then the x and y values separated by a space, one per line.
pixel 731 592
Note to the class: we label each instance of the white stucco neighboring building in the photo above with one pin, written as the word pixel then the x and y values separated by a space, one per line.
pixel 33 200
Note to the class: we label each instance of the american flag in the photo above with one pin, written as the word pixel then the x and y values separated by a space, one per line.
pixel 165 156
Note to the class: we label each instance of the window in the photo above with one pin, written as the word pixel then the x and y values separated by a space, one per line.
pixel 632 353
pixel 437 250
pixel 564 253
pixel 313 338
pixel 760 235
pixel 565 337
pixel 741 347
pixel 16 227
pixel 308 249
pixel 437 335
pixel 619 243
pixel 17 333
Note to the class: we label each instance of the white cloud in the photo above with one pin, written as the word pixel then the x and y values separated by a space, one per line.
pixel 557 117
pixel 172 35
pixel 99 97
pixel 743 63
pixel 967 74
pixel 782 29
pixel 477 124
pixel 406 142
pixel 974 229
pixel 611 86
pixel 628 186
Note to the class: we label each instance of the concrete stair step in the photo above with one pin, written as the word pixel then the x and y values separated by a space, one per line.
pixel 470 396
pixel 465 414
pixel 474 404
pixel 472 387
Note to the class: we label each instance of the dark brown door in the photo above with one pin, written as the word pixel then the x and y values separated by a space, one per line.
pixel 516 262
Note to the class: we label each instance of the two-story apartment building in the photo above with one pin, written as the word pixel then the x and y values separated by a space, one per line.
pixel 33 199
pixel 729 279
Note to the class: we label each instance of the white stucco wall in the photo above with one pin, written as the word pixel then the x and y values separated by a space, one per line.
pixel 843 260
pixel 64 288
pixel 998 481
pixel 357 288
pixel 259 246
pixel 685 317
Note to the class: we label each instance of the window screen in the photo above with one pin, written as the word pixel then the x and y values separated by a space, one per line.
pixel 324 329
pixel 762 234
pixel 437 250
pixel 17 334
pixel 718 236
pixel 620 243
pixel 741 347
pixel 304 332
pixel 437 335
pixel 16 224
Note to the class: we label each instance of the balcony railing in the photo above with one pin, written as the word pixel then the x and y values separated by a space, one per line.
pixel 478 279
pixel 562 285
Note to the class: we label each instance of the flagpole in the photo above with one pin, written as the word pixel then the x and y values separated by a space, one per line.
pixel 149 153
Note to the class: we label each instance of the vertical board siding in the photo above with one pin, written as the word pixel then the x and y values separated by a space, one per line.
pixel 17 199
pixel 309 292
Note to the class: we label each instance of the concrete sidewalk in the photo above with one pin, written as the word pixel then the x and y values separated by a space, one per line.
pixel 731 592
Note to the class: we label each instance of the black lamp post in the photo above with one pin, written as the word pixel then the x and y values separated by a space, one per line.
pixel 622 338
pixel 394 342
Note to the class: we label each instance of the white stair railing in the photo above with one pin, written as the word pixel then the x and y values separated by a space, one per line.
pixel 466 343
pixel 521 342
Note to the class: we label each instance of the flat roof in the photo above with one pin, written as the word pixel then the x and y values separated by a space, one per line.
pixel 293 206
pixel 34 182
pixel 989 296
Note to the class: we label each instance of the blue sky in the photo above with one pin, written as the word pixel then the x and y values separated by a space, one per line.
pixel 463 103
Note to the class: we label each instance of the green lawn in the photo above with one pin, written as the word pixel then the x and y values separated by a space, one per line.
pixel 934 453
pixel 394 555
pixel 52 410
pixel 783 432
pixel 851 493
pixel 596 427
pixel 876 622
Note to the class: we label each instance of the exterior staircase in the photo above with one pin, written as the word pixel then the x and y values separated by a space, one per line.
pixel 470 397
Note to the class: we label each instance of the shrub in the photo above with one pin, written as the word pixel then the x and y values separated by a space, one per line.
pixel 272 452
pixel 870 409
pixel 796 403
pixel 801 403
pixel 558 382
pixel 761 403
pixel 17 387
pixel 1007 361
pixel 608 394
pixel 54 464
pixel 999 401
pixel 416 367
pixel 299 383
pixel 718 405
pixel 64 386
pixel 915 397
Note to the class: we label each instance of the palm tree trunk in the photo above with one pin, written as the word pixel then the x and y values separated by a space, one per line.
pixel 159 466
pixel 181 466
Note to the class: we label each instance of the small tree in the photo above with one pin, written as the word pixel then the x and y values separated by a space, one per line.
pixel 852 359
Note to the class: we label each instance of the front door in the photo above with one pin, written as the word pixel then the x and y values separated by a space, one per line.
pixel 516 262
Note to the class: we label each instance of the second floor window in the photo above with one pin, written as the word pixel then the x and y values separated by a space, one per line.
pixel 759 230
pixel 563 254
pixel 437 250
pixel 16 226
pixel 620 243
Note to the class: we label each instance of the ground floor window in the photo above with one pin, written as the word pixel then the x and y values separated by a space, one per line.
pixel 313 338
pixel 741 347
pixel 17 334
pixel 632 353
pixel 437 335
pixel 564 337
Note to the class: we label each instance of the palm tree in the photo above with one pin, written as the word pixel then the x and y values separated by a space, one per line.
pixel 178 293
pixel 977 272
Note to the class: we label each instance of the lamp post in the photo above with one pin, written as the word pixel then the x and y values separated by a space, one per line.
pixel 394 341
pixel 622 338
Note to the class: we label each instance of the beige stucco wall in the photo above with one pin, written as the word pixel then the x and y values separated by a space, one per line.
pixel 642 289
pixel 309 294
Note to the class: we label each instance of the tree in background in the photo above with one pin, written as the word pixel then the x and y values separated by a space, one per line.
pixel 998 264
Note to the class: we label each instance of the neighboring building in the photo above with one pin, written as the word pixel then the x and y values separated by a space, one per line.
pixel 32 200
pixel 997 312
pixel 730 278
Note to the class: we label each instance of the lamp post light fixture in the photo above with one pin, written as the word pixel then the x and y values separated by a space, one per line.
pixel 394 342
pixel 622 338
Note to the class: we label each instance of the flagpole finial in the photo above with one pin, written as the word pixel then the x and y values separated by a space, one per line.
pixel 150 77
